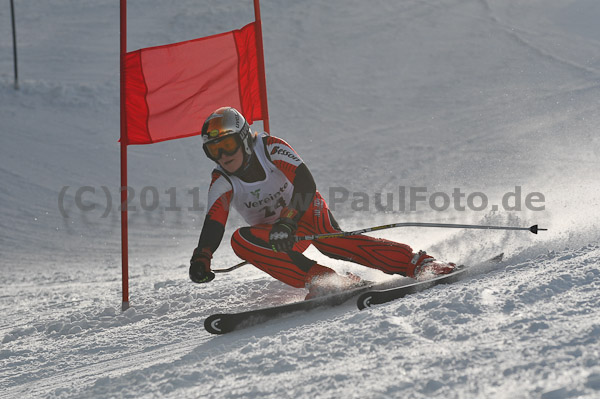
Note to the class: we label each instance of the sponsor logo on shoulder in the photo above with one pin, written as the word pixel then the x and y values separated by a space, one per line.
pixel 283 151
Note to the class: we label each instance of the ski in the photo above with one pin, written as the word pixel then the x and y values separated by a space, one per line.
pixel 372 297
pixel 227 322
pixel 224 323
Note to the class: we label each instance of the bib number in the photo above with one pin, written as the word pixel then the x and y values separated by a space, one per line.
pixel 271 210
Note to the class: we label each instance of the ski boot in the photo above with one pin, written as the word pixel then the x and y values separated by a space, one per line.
pixel 426 267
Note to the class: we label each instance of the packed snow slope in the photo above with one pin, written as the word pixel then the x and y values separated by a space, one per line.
pixel 482 96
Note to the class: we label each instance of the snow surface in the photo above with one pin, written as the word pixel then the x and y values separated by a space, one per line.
pixel 481 95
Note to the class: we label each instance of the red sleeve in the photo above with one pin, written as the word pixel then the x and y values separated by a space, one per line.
pixel 220 194
pixel 289 162
pixel 283 156
pixel 219 199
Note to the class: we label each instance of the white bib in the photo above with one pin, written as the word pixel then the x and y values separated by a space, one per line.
pixel 262 201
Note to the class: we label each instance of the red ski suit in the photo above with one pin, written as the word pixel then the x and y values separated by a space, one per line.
pixel 252 243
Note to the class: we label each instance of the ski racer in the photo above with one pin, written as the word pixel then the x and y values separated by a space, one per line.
pixel 267 182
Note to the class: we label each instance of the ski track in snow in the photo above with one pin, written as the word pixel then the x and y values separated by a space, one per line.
pixel 481 94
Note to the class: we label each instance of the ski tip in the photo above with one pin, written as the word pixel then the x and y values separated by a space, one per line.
pixel 364 301
pixel 213 324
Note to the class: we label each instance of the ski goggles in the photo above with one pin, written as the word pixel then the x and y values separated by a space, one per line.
pixel 227 145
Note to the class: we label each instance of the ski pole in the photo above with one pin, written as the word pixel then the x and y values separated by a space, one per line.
pixel 230 268
pixel 533 229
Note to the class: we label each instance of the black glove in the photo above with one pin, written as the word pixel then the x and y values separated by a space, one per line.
pixel 200 266
pixel 283 234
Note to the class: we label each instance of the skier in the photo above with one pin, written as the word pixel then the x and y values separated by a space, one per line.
pixel 271 187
